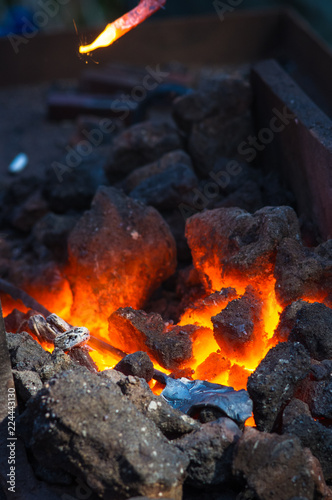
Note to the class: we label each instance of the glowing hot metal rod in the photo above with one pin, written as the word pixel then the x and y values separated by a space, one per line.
pixel 124 24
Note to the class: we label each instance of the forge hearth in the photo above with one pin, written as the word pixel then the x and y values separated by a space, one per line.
pixel 166 299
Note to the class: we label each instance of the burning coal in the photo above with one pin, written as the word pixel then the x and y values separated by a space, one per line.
pixel 224 331
pixel 175 308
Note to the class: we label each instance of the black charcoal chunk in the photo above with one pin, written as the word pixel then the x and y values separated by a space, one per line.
pixel 273 467
pixel 82 424
pixel 137 364
pixel 274 381
pixel 313 328
pixel 297 420
pixel 172 423
pixel 210 451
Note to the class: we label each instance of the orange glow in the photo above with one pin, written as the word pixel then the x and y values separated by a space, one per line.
pixel 250 422
pixel 121 26
pixel 200 313
pixel 223 364
pixel 9 304
pixel 104 359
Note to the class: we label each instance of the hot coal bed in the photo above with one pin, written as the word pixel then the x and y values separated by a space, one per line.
pixel 161 237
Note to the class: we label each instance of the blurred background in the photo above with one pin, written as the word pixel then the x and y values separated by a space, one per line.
pixel 14 13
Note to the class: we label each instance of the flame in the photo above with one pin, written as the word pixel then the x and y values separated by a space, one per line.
pixel 240 364
pixel 121 26
pixel 210 361
pixel 250 422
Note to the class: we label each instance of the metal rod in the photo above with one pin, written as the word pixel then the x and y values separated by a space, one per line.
pixel 105 346
pixel 18 294
pixel 101 344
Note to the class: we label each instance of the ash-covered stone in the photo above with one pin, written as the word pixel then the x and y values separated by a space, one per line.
pixel 141 144
pixel 27 384
pixel 119 253
pixel 137 364
pixel 234 326
pixel 138 330
pixel 171 422
pixel 301 272
pixel 160 166
pixel 82 424
pixel 75 336
pixel 210 452
pixel 313 329
pixel 274 381
pixel 166 189
pixel 57 363
pixel 297 420
pixel 276 467
pixel 236 241
pixel 26 353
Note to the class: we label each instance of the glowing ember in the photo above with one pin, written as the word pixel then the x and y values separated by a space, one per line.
pixel 121 26
pixel 240 364
pixel 231 325
pixel 209 362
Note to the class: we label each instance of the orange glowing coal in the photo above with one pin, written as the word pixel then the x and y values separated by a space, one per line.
pixel 217 362
pixel 121 26
pixel 229 366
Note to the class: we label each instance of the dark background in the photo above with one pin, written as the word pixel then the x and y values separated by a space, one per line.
pixel 317 12
pixel 98 12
